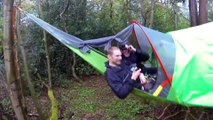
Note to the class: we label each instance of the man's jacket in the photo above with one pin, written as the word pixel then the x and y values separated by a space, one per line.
pixel 119 79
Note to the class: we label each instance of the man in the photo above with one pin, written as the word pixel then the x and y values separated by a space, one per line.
pixel 119 76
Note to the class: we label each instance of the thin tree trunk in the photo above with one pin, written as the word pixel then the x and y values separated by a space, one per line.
pixel 193 12
pixel 175 13
pixel 127 11
pixel 54 102
pixel 142 3
pixel 203 11
pixel 46 48
pixel 26 70
pixel 8 59
pixel 151 13
pixel 65 29
pixel 73 67
pixel 73 54
pixel 20 81
pixel 176 19
pixel 110 9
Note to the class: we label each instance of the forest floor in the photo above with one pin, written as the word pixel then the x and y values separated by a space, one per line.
pixel 92 99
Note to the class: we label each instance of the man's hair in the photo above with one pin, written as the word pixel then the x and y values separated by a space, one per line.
pixel 111 49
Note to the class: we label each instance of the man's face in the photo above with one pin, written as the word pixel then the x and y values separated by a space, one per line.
pixel 115 58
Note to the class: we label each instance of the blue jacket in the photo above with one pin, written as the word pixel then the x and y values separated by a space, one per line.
pixel 119 79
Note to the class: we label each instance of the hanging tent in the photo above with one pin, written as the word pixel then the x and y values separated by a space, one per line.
pixel 184 60
pixel 193 72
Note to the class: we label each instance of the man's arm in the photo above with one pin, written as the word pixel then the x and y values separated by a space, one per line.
pixel 141 56
pixel 121 87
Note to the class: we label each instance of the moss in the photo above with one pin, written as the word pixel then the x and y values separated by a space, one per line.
pixel 54 105
pixel 4 118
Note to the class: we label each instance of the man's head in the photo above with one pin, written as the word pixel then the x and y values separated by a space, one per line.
pixel 114 56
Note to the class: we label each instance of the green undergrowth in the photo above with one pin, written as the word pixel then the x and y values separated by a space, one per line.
pixel 99 103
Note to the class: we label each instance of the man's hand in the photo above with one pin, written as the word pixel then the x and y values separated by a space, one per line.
pixel 136 74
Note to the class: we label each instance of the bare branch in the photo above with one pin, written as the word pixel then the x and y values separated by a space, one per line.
pixel 33 115
pixel 65 29
pixel 201 115
pixel 163 112
pixel 173 114
pixel 66 8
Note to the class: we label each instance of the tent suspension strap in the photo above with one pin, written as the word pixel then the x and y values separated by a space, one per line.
pixel 161 86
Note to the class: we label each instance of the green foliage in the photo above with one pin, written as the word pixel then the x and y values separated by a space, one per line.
pixel 62 81
pixel 84 69
pixel 210 10
pixel 82 100
pixel 86 100
pixel 211 16
pixel 86 93
pixel 132 107
pixel 6 104
pixel 86 107
pixel 164 19
pixel 149 118
pixel 183 22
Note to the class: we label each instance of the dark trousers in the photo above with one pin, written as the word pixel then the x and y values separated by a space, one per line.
pixel 151 70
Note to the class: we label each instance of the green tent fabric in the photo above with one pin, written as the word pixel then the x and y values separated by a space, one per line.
pixel 185 57
pixel 98 64
pixel 193 73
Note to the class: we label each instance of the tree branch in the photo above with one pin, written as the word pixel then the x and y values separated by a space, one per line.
pixel 66 8
pixel 173 114
pixel 163 112
pixel 65 29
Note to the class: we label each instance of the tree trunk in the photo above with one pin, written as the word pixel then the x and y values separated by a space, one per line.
pixel 17 57
pixel 54 102
pixel 142 3
pixel 193 12
pixel 46 48
pixel 151 13
pixel 110 9
pixel 26 70
pixel 176 19
pixel 73 67
pixel 65 29
pixel 127 11
pixel 175 13
pixel 8 59
pixel 203 11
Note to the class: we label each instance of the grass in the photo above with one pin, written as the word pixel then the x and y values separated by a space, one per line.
pixel 92 100
pixel 96 101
